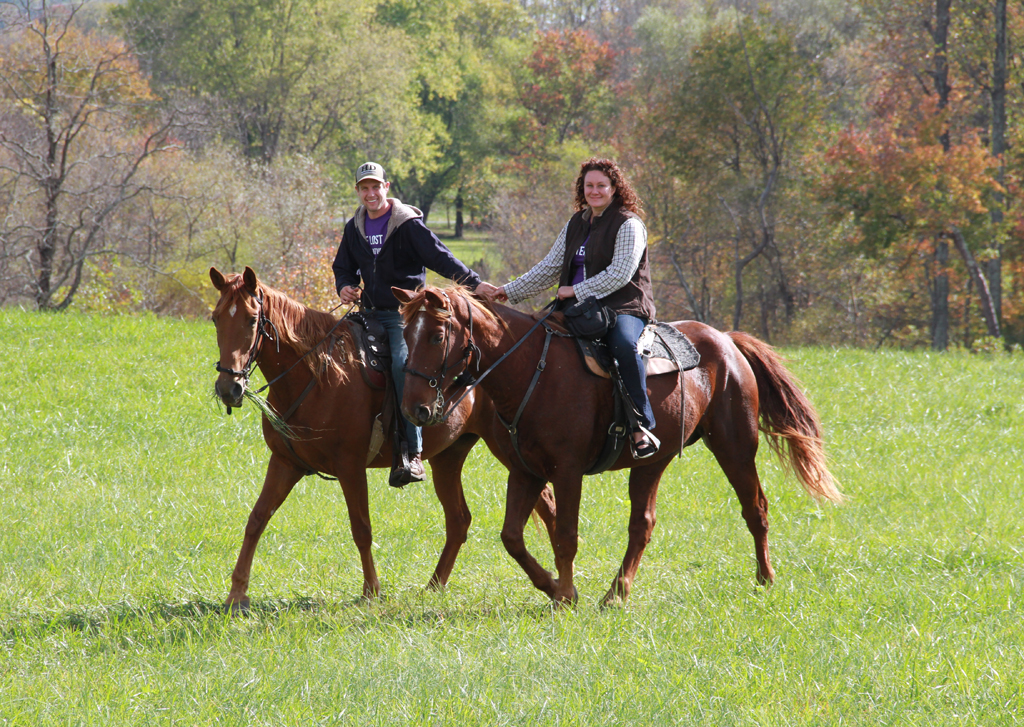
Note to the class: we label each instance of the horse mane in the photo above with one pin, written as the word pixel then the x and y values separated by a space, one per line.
pixel 419 299
pixel 302 328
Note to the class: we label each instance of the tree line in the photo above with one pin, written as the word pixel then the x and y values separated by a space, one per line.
pixel 813 171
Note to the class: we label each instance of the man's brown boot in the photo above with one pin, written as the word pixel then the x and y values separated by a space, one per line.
pixel 411 472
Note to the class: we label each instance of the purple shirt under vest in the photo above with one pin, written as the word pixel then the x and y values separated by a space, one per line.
pixel 376 230
pixel 577 273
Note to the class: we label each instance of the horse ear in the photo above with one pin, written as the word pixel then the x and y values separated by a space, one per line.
pixel 434 300
pixel 217 278
pixel 252 283
pixel 404 296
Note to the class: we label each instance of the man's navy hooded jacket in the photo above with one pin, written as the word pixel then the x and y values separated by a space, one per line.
pixel 409 248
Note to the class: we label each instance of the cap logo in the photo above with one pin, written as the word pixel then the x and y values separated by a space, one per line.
pixel 370 170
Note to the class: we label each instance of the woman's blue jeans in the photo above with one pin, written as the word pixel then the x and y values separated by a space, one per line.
pixel 621 339
pixel 393 324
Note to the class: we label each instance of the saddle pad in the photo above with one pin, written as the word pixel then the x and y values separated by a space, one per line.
pixel 663 347
pixel 654 366
pixel 660 340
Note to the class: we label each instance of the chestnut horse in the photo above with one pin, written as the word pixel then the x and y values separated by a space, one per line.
pixel 333 424
pixel 740 380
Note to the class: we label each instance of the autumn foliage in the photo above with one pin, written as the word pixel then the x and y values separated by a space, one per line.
pixel 564 82
pixel 812 173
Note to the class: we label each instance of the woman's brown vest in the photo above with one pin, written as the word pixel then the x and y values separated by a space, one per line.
pixel 635 298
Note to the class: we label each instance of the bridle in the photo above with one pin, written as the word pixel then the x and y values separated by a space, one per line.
pixel 262 334
pixel 463 378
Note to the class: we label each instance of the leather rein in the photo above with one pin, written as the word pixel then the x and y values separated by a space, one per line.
pixel 437 382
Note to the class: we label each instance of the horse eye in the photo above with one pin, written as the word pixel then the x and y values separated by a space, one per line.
pixel 252 322
pixel 436 339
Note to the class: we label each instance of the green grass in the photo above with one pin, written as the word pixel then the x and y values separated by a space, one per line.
pixel 126 490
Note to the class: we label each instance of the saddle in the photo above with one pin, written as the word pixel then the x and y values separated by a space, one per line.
pixel 374 352
pixel 664 350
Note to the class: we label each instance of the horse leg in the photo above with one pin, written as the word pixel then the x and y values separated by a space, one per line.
pixel 352 477
pixel 446 472
pixel 545 510
pixel 643 496
pixel 278 483
pixel 523 493
pixel 735 451
pixel 565 538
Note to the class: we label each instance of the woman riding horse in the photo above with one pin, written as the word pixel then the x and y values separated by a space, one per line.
pixel 602 253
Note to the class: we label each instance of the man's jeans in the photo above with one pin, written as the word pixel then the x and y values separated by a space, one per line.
pixel 621 339
pixel 392 321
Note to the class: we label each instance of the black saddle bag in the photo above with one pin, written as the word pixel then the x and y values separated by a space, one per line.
pixel 589 319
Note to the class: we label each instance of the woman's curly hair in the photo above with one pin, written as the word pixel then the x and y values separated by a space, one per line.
pixel 624 191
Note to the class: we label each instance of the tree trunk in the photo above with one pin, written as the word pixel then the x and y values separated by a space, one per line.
pixel 994 266
pixel 425 204
pixel 51 188
pixel 984 297
pixel 698 310
pixel 967 313
pixel 766 332
pixel 940 297
pixel 738 311
pixel 458 215
pixel 940 73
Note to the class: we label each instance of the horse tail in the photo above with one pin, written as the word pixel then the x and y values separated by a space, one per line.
pixel 788 419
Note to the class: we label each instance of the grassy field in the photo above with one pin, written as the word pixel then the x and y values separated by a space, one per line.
pixel 126 491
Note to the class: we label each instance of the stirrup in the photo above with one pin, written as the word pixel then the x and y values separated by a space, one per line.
pixel 646 447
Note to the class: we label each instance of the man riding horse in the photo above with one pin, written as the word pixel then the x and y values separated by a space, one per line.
pixel 386 244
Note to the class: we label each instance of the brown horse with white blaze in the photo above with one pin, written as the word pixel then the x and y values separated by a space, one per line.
pixel 292 345
pixel 739 387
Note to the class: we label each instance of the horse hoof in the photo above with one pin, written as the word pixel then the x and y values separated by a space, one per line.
pixel 566 602
pixel 613 600
pixel 237 608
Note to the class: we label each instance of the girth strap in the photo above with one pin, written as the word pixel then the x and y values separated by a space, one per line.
pixel 614 441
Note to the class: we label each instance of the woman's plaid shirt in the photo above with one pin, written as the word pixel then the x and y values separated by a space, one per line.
pixel 630 243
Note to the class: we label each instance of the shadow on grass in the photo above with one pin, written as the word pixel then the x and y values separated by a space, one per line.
pixel 198 615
